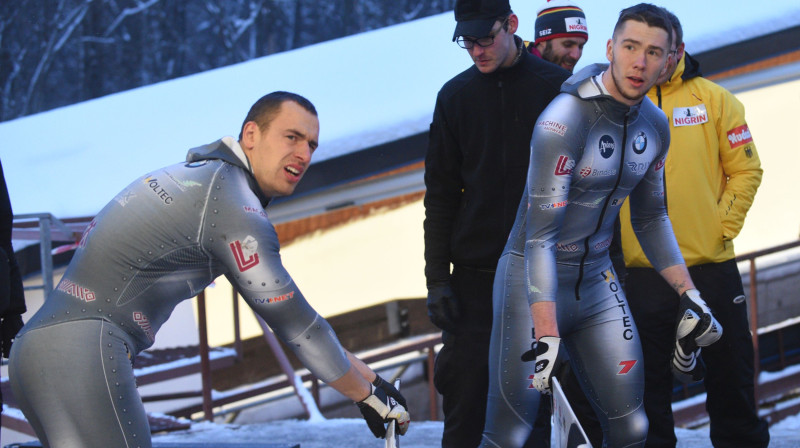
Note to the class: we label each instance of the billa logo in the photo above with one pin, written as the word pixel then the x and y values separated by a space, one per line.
pixel 245 253
pixel 564 166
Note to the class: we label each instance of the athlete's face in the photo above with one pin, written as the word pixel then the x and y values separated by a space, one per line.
pixel 638 55
pixel 675 55
pixel 563 51
pixel 501 52
pixel 280 154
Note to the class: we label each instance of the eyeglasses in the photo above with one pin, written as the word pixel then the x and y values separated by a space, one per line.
pixel 469 43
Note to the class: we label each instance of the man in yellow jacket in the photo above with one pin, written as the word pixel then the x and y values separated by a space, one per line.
pixel 712 174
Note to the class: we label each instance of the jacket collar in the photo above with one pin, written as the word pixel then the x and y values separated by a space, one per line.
pixel 687 68
pixel 587 84
pixel 228 150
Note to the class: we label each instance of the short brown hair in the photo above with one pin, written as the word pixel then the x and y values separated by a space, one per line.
pixel 266 108
pixel 676 26
pixel 649 14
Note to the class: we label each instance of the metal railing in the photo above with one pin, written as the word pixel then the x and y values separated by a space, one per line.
pixel 46 228
pixel 751 257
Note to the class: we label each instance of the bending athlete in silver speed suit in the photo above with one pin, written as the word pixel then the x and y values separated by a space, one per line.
pixel 588 154
pixel 160 241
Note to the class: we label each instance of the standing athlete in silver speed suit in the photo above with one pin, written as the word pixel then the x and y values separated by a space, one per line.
pixel 589 153
pixel 597 143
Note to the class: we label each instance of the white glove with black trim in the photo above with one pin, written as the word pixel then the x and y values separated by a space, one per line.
pixel 696 323
pixel 551 359
pixel 379 408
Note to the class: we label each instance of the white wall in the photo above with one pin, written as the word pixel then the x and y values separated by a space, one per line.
pixel 369 261
pixel 771 114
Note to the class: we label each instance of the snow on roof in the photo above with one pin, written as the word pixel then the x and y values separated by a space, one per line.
pixel 369 88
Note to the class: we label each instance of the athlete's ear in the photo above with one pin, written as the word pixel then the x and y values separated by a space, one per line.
pixel 679 54
pixel 250 135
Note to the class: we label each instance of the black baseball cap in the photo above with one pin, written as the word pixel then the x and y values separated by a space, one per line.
pixel 476 17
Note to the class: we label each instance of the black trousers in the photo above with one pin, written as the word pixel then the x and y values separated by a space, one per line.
pixel 729 378
pixel 461 371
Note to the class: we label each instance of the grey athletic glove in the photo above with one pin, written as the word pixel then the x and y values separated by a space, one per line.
pixel 443 306
pixel 551 360
pixel 379 408
pixel 696 326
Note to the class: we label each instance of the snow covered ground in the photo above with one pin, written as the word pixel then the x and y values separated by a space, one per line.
pixel 353 433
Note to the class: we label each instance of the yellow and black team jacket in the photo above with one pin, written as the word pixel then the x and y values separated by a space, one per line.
pixel 712 170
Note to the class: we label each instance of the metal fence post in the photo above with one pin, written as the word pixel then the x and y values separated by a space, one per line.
pixel 45 248
pixel 205 363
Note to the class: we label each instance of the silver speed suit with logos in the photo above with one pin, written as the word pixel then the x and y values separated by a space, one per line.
pixel 589 153
pixel 162 240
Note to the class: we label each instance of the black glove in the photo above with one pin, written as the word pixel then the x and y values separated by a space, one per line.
pixel 696 326
pixel 379 409
pixel 551 360
pixel 443 306
pixel 9 328
pixel 687 365
pixel 390 390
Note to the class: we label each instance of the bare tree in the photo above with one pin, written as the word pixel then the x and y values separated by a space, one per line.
pixel 57 52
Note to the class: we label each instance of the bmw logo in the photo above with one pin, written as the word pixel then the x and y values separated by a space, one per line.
pixel 640 143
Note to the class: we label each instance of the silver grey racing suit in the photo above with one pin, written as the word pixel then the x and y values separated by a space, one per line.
pixel 588 154
pixel 160 241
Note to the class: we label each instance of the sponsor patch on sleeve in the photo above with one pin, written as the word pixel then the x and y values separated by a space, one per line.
pixel 564 166
pixel 739 136
pixel 553 126
pixel 245 252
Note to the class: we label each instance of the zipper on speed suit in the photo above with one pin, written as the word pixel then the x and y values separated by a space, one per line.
pixel 605 207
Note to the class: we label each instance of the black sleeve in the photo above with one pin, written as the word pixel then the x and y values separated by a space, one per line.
pixel 12 302
pixel 443 195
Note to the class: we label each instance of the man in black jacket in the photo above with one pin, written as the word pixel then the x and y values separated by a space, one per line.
pixel 12 297
pixel 475 170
